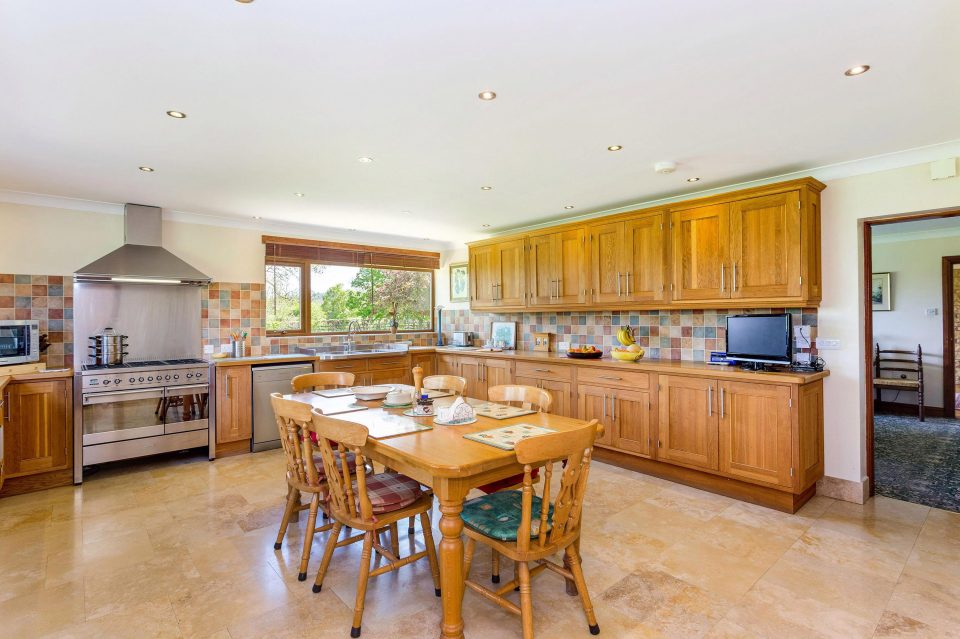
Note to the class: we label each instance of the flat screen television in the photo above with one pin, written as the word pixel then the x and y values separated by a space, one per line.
pixel 760 339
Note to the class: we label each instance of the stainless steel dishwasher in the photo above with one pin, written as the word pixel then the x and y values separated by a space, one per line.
pixel 271 379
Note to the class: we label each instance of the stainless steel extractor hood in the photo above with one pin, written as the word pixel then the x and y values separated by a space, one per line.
pixel 141 259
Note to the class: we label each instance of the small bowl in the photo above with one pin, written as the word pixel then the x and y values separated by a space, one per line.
pixel 626 356
pixel 370 393
pixel 594 355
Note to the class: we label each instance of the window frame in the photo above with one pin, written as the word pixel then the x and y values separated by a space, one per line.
pixel 305 297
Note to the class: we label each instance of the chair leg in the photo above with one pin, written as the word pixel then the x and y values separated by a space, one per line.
pixel 362 583
pixel 327 554
pixel 495 567
pixel 516 573
pixel 577 570
pixel 410 529
pixel 468 550
pixel 293 500
pixel 395 539
pixel 308 536
pixel 431 552
pixel 526 600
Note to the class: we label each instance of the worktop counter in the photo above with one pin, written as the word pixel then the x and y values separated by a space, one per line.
pixel 52 373
pixel 263 359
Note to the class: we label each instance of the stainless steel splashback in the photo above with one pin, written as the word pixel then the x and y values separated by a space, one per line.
pixel 160 321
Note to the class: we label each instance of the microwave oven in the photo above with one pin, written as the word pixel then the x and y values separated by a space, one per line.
pixel 19 342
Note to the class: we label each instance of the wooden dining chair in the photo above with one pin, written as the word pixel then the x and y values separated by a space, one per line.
pixel 907 374
pixel 528 528
pixel 529 397
pixel 449 383
pixel 321 381
pixel 370 504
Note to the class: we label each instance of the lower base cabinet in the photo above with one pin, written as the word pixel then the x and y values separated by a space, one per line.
pixel 234 404
pixel 688 428
pixel 756 432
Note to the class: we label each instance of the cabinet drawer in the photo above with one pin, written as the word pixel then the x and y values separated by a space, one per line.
pixel 351 365
pixel 544 371
pixel 381 363
pixel 613 377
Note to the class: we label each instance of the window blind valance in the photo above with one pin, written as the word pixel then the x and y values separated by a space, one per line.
pixel 287 248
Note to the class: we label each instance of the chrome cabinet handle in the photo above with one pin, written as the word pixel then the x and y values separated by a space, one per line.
pixel 722 279
pixel 542 370
pixel 618 284
pixel 613 406
pixel 608 377
pixel 628 282
pixel 709 401
pixel 734 277
pixel 721 402
pixel 228 387
pixel 604 405
pixel 558 288
pixel 4 402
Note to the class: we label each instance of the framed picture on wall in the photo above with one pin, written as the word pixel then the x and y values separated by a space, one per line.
pixel 504 333
pixel 459 282
pixel 880 292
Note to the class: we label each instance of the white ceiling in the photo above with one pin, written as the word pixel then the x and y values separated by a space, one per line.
pixel 285 95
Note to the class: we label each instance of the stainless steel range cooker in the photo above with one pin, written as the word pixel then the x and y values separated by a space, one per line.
pixel 140 408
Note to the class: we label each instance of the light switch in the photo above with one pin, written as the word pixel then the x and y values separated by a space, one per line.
pixel 932 312
pixel 208 349
pixel 825 344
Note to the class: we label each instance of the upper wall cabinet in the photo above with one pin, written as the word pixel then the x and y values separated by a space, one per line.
pixel 753 248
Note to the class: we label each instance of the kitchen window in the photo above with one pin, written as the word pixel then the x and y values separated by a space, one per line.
pixel 318 288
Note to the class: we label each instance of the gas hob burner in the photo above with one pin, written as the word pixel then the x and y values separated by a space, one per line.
pixel 181 362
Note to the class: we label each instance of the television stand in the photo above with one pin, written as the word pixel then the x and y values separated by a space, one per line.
pixel 754 366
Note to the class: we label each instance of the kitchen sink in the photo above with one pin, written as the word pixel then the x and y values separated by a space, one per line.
pixel 342 351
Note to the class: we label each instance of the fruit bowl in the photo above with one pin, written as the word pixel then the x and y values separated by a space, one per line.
pixel 588 355
pixel 626 356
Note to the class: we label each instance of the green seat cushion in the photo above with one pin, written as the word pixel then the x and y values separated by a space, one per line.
pixel 498 515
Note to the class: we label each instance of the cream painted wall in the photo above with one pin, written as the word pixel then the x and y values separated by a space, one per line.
pixel 916 279
pixel 846 203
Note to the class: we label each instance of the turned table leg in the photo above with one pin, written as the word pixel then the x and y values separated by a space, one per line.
pixel 450 494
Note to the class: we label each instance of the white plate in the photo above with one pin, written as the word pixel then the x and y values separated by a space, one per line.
pixel 386 405
pixel 461 423
pixel 369 393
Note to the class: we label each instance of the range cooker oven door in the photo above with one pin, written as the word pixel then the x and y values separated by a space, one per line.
pixel 115 416
pixel 184 408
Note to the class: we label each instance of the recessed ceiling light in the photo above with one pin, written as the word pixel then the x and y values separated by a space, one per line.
pixel 146 169
pixel 244 1
pixel 256 217
pixel 860 69
pixel 568 206
pixel 693 179
pixel 486 188
pixel 177 114
pixel 484 226
pixel 615 147
pixel 365 160
pixel 298 194
pixel 404 212
pixel 487 95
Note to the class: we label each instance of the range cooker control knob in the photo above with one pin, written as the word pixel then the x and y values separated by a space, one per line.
pixel 132 380
pixel 167 377
pixel 176 377
pixel 141 379
pixel 117 380
pixel 189 375
pixel 106 382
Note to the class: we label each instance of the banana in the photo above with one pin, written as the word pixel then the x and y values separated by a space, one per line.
pixel 625 336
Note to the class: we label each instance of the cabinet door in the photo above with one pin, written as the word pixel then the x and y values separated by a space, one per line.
pixel 540 268
pixel 606 254
pixel 447 365
pixel 496 372
pixel 570 264
pixel 561 392
pixel 512 271
pixel 633 429
pixel 389 376
pixel 644 251
pixel 593 402
pixel 471 369
pixel 688 429
pixel 755 432
pixel 428 362
pixel 700 261
pixel 36 434
pixel 483 276
pixel 765 246
pixel 234 404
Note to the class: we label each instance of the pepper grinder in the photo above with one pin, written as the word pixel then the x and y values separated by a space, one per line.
pixel 417 381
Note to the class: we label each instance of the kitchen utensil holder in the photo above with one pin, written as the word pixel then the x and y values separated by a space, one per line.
pixel 238 348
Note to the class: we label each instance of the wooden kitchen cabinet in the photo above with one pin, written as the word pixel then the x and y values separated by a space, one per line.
pixel 557 268
pixel 688 429
pixel 483 276
pixel 561 392
pixel 644 255
pixel 701 253
pixel 607 258
pixel 765 246
pixel 593 402
pixel 38 429
pixel 634 421
pixel 756 432
pixel 480 372
pixel 426 361
pixel 234 404
pixel 388 376
pixel 498 275
pixel 448 364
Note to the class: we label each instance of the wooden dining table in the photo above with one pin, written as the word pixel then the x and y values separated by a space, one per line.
pixel 443 460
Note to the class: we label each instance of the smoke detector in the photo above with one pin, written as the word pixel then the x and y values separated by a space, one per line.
pixel 665 167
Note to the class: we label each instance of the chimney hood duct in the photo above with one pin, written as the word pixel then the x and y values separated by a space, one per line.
pixel 141 259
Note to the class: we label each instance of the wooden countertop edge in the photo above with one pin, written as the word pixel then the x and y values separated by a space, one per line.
pixel 266 359
pixel 51 374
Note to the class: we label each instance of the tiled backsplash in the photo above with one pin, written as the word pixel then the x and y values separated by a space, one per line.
pixel 228 306
pixel 47 299
pixel 667 334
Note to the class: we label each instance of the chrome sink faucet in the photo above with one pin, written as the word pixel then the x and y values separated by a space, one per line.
pixel 352 328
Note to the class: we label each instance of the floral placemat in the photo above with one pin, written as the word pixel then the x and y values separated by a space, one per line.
pixel 506 437
pixel 500 411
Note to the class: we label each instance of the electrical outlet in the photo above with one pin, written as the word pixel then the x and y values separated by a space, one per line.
pixel 801 337
pixel 208 349
pixel 224 348
pixel 803 358
pixel 825 344
pixel 563 346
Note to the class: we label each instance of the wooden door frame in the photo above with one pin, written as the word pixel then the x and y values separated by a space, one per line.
pixel 949 348
pixel 866 286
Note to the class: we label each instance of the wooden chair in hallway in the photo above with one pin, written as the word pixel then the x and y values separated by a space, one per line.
pixel 901 363
pixel 321 381
pixel 528 528
pixel 450 383
pixel 529 397
pixel 369 504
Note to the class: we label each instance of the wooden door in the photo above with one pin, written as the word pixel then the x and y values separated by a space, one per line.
pixel 512 273
pixel 644 256
pixel 426 361
pixel 765 246
pixel 561 392
pixel 38 431
pixel 570 265
pixel 593 402
pixel 755 432
pixel 483 276
pixel 688 428
pixel 496 372
pixel 633 430
pixel 606 254
pixel 389 376
pixel 700 253
pixel 234 404
pixel 471 369
pixel 540 275
pixel 448 364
